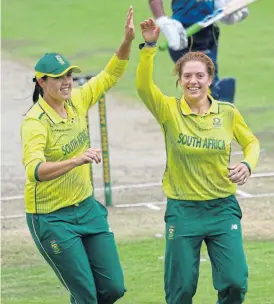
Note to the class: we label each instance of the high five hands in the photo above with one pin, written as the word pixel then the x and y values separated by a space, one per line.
pixel 150 31
pixel 129 26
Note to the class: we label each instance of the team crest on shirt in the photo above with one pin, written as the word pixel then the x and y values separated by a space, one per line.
pixel 217 122
pixel 55 247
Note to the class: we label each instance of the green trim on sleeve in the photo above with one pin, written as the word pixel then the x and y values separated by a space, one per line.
pixel 36 172
pixel 41 115
pixel 248 166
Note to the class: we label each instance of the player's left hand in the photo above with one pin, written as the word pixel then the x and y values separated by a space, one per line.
pixel 239 174
pixel 129 27
pixel 236 17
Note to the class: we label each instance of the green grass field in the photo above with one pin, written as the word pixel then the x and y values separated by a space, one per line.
pixel 34 282
pixel 88 32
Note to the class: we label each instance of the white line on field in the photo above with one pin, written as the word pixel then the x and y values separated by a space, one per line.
pixel 153 207
pixel 244 194
pixel 8 217
pixel 12 198
pixel 150 205
pixel 133 186
pixel 270 174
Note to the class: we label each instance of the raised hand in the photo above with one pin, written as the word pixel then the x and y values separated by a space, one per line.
pixel 150 31
pixel 129 27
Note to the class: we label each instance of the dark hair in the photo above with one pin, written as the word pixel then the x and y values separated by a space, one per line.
pixel 194 56
pixel 37 89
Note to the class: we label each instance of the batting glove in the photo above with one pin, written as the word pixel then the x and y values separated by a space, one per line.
pixel 174 32
pixel 233 18
pixel 236 17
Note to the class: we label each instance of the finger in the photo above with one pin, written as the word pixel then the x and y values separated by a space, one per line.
pixel 143 25
pixel 157 30
pixel 97 150
pixel 234 177
pixel 233 172
pixel 129 10
pixel 95 158
pixel 129 18
pixel 245 179
pixel 232 167
pixel 98 156
pixel 241 174
pixel 93 154
pixel 237 177
pixel 87 159
pixel 240 169
pixel 151 22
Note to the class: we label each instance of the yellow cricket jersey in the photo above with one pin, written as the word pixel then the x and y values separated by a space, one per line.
pixel 47 137
pixel 197 147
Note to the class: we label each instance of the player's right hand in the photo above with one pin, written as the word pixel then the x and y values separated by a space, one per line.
pixel 174 32
pixel 150 31
pixel 89 156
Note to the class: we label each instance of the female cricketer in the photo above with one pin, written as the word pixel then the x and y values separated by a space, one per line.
pixel 198 181
pixel 186 13
pixel 68 226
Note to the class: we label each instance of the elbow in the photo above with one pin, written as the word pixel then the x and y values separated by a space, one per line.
pixel 255 143
pixel 141 84
pixel 32 172
pixel 141 92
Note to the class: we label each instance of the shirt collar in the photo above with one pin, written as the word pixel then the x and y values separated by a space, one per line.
pixel 214 108
pixel 52 114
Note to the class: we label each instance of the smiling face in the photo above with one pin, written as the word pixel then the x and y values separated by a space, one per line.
pixel 195 80
pixel 57 88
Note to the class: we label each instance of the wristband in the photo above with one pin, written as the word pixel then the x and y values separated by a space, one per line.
pixel 147 44
pixel 150 44
pixel 248 166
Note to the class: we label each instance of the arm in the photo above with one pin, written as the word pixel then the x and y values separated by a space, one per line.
pixel 240 173
pixel 157 8
pixel 248 142
pixel 46 171
pixel 34 140
pixel 150 94
pixel 124 50
pixel 87 95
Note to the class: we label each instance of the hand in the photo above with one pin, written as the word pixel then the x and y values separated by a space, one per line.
pixel 89 156
pixel 239 174
pixel 150 31
pixel 129 27
pixel 174 32
pixel 236 17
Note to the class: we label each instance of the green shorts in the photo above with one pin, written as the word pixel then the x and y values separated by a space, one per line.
pixel 218 223
pixel 79 245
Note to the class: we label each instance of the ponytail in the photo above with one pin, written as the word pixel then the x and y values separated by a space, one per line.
pixel 37 90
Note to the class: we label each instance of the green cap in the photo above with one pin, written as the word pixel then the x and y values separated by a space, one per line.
pixel 54 65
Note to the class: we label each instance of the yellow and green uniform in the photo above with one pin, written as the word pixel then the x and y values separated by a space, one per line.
pixel 201 205
pixel 68 226
pixel 197 147
pixel 48 137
